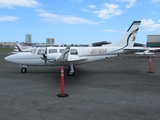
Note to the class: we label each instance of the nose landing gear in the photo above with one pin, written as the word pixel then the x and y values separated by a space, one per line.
pixel 71 70
pixel 24 69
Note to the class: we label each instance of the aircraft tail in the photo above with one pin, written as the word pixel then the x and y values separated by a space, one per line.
pixel 20 49
pixel 129 38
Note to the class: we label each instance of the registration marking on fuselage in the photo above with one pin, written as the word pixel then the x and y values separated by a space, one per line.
pixel 98 51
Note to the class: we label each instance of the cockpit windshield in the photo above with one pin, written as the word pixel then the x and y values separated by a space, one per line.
pixel 34 50
pixel 40 51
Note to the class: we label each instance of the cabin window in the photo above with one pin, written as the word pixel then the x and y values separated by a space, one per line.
pixel 61 50
pixel 40 51
pixel 73 52
pixel 52 50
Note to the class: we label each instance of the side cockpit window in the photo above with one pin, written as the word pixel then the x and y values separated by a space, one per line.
pixel 52 50
pixel 40 51
pixel 33 50
pixel 74 52
pixel 61 50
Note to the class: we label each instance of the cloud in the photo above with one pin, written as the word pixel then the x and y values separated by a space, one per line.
pixel 110 30
pixel 131 3
pixel 108 11
pixel 73 1
pixel 150 25
pixel 4 18
pixel 85 10
pixel 67 19
pixel 22 3
pixel 91 6
pixel 79 0
pixel 155 1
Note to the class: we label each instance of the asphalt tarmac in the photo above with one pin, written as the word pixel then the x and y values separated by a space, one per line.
pixel 113 89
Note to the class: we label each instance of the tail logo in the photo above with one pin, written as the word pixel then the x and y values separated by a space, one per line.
pixel 134 35
pixel 133 38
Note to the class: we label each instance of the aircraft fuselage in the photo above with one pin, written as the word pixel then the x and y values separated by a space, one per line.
pixel 91 54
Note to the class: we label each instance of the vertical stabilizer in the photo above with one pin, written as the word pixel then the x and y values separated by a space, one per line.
pixel 130 36
pixel 19 47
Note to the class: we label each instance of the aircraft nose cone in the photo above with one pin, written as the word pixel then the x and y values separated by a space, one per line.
pixel 7 58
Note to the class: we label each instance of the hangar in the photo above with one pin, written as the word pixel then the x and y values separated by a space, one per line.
pixel 153 41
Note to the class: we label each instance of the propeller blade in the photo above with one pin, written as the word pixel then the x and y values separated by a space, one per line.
pixel 45 56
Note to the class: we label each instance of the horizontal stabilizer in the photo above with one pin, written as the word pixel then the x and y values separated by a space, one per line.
pixel 144 53
pixel 135 48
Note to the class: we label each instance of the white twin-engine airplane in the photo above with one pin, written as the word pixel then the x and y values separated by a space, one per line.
pixel 73 56
pixel 148 52
pixel 145 53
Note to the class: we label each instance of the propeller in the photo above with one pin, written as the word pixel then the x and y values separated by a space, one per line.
pixel 44 57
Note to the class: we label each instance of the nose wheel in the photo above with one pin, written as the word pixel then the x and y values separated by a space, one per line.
pixel 23 69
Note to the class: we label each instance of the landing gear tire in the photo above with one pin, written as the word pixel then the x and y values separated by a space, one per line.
pixel 24 70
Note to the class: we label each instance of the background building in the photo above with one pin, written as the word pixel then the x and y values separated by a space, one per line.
pixel 28 38
pixel 49 40
pixel 153 41
pixel 7 44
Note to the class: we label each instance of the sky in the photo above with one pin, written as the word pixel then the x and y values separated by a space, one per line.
pixel 77 21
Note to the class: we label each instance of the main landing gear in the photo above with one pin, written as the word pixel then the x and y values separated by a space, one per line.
pixel 71 71
pixel 24 69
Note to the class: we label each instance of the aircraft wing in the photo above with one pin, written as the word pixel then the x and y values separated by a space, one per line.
pixel 65 57
pixel 69 59
pixel 75 58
